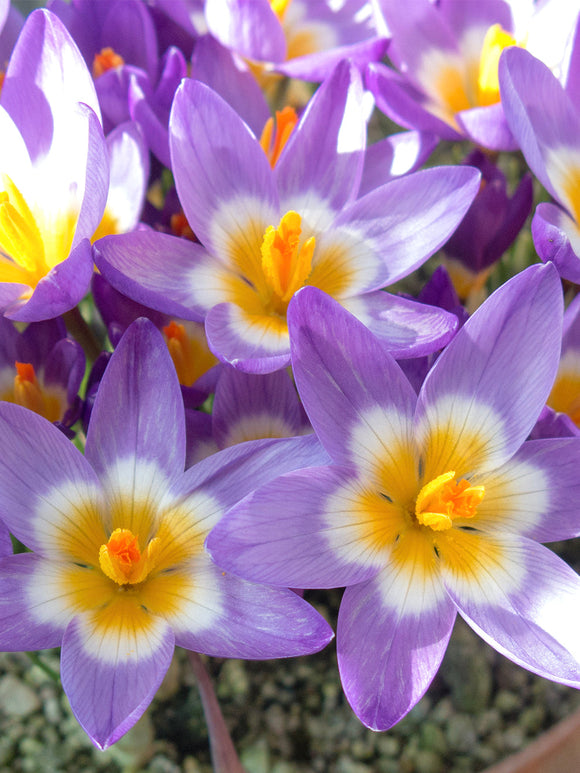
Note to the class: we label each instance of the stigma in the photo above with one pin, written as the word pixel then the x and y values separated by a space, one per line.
pixel 286 120
pixel 123 562
pixel 106 59
pixel 286 263
pixel 445 499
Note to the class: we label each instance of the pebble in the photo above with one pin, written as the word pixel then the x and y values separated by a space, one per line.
pixel 16 698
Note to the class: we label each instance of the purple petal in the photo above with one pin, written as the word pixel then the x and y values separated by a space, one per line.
pixel 302 530
pixel 395 156
pixel 392 634
pixel 487 127
pixel 234 618
pixel 25 624
pixel 408 219
pixel 110 675
pixel 342 370
pixel 489 385
pixel 407 328
pixel 556 239
pixel 322 161
pixel 138 412
pixel 137 265
pixel 60 290
pixel 319 65
pixel 249 27
pixel 44 481
pixel 217 162
pixel 523 603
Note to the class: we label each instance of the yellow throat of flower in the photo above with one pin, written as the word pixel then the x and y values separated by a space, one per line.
pixel 444 499
pixel 122 560
pixel 22 257
pixel 496 39
pixel 286 264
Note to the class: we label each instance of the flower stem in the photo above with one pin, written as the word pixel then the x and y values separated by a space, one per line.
pixel 223 753
pixel 35 658
pixel 81 332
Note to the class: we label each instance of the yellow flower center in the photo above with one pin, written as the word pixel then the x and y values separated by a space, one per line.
pixel 286 264
pixel 279 7
pixel 189 352
pixel 122 560
pixel 106 59
pixel 22 255
pixel 496 39
pixel 286 120
pixel 445 498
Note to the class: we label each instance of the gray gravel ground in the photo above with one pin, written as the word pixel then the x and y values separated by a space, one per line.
pixel 289 716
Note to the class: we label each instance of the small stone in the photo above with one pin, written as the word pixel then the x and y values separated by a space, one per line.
pixel 431 737
pixel 514 738
pixel 428 761
pixel 256 758
pixel 460 733
pixel 345 764
pixel 532 719
pixel 507 702
pixel 16 698
pixel 488 721
pixel 389 745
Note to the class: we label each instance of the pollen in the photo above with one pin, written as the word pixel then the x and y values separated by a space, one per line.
pixel 444 499
pixel 286 262
pixel 273 143
pixel 106 59
pixel 122 560
pixel 496 39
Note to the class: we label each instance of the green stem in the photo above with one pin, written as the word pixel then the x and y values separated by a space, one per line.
pixel 35 658
pixel 81 332
pixel 223 753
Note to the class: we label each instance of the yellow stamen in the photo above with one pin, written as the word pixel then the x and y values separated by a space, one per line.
pixel 286 120
pixel 189 352
pixel 106 59
pixel 21 242
pixel 496 39
pixel 280 7
pixel 123 562
pixel 286 264
pixel 444 498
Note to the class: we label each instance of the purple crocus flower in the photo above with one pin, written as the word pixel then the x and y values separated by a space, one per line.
pixel 42 370
pixel 54 168
pixel 545 119
pixel 300 38
pixel 433 505
pixel 447 55
pixel 267 232
pixel 118 574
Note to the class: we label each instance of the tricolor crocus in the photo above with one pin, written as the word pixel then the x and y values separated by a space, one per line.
pixel 53 173
pixel 267 232
pixel 447 54
pixel 545 119
pixel 118 572
pixel 433 505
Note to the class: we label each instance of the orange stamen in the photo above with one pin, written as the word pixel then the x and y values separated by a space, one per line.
pixel 180 227
pixel 286 120
pixel 106 59
pixel 122 561
pixel 444 498
pixel 189 352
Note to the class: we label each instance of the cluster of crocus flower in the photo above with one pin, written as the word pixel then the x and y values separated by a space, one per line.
pixel 257 413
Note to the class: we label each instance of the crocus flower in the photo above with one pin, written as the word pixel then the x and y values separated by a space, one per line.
pixel 54 173
pixel 433 505
pixel 267 232
pixel 42 370
pixel 447 55
pixel 300 38
pixel 118 572
pixel 550 142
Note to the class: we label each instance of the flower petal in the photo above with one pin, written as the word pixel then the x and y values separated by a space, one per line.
pixel 112 663
pixel 523 601
pixel 392 634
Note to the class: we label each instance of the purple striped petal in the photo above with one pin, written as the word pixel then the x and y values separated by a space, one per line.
pixel 342 370
pixel 485 392
pixel 322 161
pixel 391 637
pixel 216 159
pixel 557 239
pixel 137 265
pixel 524 604
pixel 395 156
pixel 138 411
pixel 249 27
pixel 228 617
pixel 306 529
pixel 110 675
